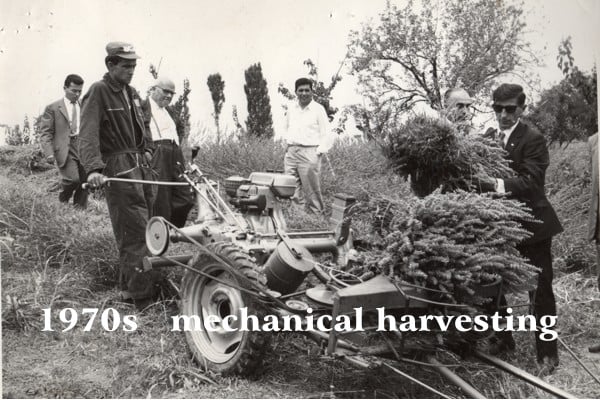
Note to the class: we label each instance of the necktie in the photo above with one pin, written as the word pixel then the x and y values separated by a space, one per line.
pixel 501 137
pixel 74 119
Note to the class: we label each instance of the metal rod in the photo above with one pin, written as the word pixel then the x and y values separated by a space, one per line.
pixel 578 360
pixel 296 234
pixel 159 262
pixel 142 181
pixel 534 380
pixel 341 342
pixel 410 378
pixel 217 197
pixel 452 377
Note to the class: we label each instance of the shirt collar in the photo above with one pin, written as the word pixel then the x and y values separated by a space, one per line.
pixel 308 106
pixel 114 85
pixel 154 104
pixel 68 102
pixel 509 131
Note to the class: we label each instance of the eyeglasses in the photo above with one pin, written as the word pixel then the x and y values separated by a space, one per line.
pixel 303 90
pixel 167 91
pixel 509 109
pixel 460 106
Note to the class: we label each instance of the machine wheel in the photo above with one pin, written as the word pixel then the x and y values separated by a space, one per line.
pixel 227 352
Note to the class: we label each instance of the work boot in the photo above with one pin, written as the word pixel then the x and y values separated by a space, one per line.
pixel 142 304
pixel 548 364
pixel 501 343
pixel 594 348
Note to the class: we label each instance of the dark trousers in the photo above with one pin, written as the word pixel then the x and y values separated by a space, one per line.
pixel 172 202
pixel 542 298
pixel 72 176
pixel 129 206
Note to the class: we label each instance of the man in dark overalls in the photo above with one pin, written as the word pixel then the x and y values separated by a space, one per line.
pixel 113 144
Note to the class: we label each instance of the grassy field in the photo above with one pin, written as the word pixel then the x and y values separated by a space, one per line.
pixel 56 257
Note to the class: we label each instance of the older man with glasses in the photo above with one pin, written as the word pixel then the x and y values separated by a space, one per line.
pixel 458 109
pixel 172 202
pixel 528 155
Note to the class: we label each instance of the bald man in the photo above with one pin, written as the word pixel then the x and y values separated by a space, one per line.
pixel 458 109
pixel 172 202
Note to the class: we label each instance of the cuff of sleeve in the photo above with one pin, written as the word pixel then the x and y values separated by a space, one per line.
pixel 500 186
pixel 322 149
pixel 91 172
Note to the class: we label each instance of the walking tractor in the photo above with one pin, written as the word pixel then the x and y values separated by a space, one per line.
pixel 246 276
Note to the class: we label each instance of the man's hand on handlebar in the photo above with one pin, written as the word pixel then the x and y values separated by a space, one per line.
pixel 96 179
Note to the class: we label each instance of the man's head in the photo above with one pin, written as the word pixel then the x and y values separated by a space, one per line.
pixel 73 86
pixel 121 61
pixel 163 91
pixel 509 104
pixel 458 105
pixel 303 87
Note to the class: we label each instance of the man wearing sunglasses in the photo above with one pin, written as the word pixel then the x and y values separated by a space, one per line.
pixel 528 155
pixel 172 202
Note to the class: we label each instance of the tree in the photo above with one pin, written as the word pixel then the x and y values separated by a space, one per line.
pixel 216 85
pixel 14 137
pixel 259 122
pixel 241 132
pixel 321 93
pixel 182 111
pixel 37 128
pixel 416 52
pixel 568 110
pixel 26 131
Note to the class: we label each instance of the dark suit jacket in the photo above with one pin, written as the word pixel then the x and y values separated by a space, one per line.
pixel 529 158
pixel 55 131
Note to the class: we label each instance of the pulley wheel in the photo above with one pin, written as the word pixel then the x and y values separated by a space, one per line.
pixel 157 236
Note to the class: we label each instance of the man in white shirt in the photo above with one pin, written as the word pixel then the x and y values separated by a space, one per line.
pixel 59 138
pixel 172 202
pixel 308 139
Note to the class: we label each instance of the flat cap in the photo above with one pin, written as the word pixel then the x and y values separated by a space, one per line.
pixel 121 49
pixel 165 84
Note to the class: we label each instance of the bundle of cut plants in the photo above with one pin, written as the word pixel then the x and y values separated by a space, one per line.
pixel 455 243
pixel 433 153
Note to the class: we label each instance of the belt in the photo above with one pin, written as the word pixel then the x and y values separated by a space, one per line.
pixel 165 141
pixel 124 151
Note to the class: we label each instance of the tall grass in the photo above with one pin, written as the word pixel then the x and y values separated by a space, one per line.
pixel 568 186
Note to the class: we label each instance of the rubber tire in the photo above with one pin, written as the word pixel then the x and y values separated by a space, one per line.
pixel 247 359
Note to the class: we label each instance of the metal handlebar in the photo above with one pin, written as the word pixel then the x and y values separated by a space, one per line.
pixel 106 181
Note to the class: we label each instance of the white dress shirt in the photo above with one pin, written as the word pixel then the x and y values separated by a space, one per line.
pixel 69 108
pixel 308 126
pixel 507 132
pixel 162 125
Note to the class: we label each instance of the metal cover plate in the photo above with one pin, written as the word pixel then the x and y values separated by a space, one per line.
pixel 320 294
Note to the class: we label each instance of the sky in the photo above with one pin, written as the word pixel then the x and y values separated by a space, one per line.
pixel 44 40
